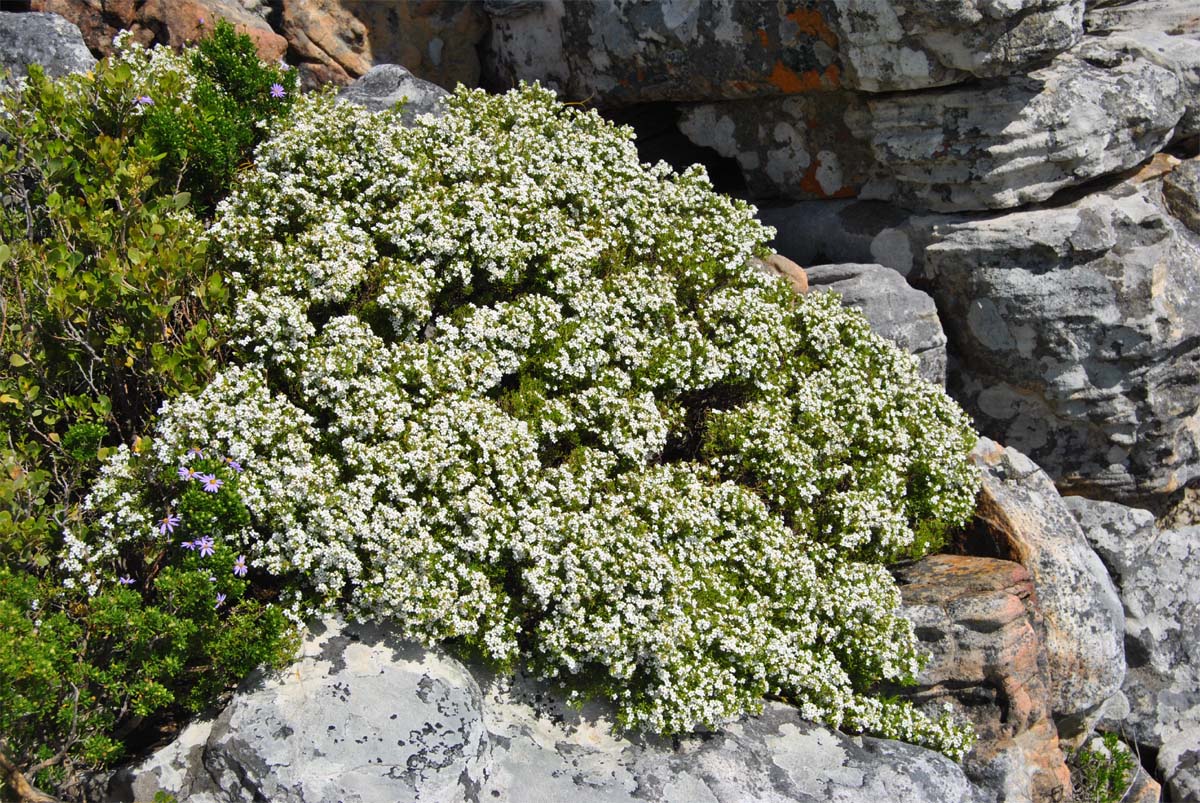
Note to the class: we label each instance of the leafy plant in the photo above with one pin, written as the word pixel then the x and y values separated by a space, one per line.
pixel 1103 773
pixel 508 387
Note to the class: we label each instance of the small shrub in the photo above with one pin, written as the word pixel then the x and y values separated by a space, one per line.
pixel 1103 774
pixel 510 388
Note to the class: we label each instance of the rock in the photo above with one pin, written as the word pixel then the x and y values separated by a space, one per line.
pixel 1181 192
pixel 170 22
pixel 1157 574
pixel 1106 398
pixel 620 52
pixel 778 265
pixel 988 146
pixel 45 39
pixel 896 312
pixel 385 85
pixel 1021 517
pixel 365 716
pixel 1109 16
pixel 340 40
pixel 979 621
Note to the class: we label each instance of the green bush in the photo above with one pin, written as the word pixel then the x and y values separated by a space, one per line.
pixel 513 390
pixel 1103 774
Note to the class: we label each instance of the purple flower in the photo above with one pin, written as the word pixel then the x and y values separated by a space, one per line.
pixel 233 464
pixel 187 473
pixel 277 91
pixel 190 544
pixel 125 580
pixel 205 545
pixel 220 601
pixel 144 100
pixel 239 566
pixel 168 523
pixel 195 451
pixel 212 483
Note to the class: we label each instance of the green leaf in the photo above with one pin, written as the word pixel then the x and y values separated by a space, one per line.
pixel 17 361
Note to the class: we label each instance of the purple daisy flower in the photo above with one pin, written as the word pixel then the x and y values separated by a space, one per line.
pixel 125 580
pixel 168 523
pixel 144 100
pixel 187 473
pixel 212 483
pixel 195 451
pixel 190 545
pixel 233 464
pixel 220 601
pixel 206 546
pixel 277 91
pixel 239 566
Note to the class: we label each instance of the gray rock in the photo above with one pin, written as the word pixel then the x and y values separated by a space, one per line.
pixel 385 85
pixel 996 145
pixel 621 51
pixel 897 312
pixel 365 717
pixel 45 39
pixel 1157 574
pixel 1076 326
pixel 1181 192
pixel 1110 16
pixel 1022 517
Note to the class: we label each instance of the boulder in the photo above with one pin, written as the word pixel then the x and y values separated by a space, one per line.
pixel 1178 17
pixel 365 716
pixel 169 22
pixel 620 52
pixel 978 620
pixel 988 146
pixel 1106 398
pixel 1181 192
pixel 1157 575
pixel 385 85
pixel 1021 517
pixel 340 40
pixel 896 312
pixel 45 39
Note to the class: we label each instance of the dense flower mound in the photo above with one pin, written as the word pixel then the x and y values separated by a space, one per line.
pixel 508 387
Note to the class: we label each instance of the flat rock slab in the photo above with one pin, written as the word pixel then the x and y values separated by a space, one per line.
pixel 365 717
pixel 988 146
pixel 620 52
pixel 45 39
pixel 385 85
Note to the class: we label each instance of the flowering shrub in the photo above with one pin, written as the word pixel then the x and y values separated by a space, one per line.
pixel 510 388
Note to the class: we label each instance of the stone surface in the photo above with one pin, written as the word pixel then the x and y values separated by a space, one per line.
pixel 171 22
pixel 1173 16
pixel 1181 192
pixel 1157 574
pixel 340 40
pixel 619 52
pixel 979 621
pixel 1021 517
pixel 1076 325
pixel 986 146
pixel 778 265
pixel 363 716
pixel 385 85
pixel 897 312
pixel 45 39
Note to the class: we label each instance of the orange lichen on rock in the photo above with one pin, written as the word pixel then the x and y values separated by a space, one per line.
pixel 812 23
pixel 792 82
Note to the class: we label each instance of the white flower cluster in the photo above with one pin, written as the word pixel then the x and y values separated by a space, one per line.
pixel 506 385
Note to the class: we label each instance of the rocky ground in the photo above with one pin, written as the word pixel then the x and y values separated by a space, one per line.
pixel 1010 191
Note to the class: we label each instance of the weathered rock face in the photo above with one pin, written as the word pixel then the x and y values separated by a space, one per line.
pixel 385 85
pixel 982 147
pixel 172 22
pixel 1157 574
pixel 45 39
pixel 978 620
pixel 1021 517
pixel 619 52
pixel 340 40
pixel 362 716
pixel 1076 326
pixel 1181 193
pixel 897 312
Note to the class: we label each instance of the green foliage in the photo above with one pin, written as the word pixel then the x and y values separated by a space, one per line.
pixel 1103 774
pixel 232 103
